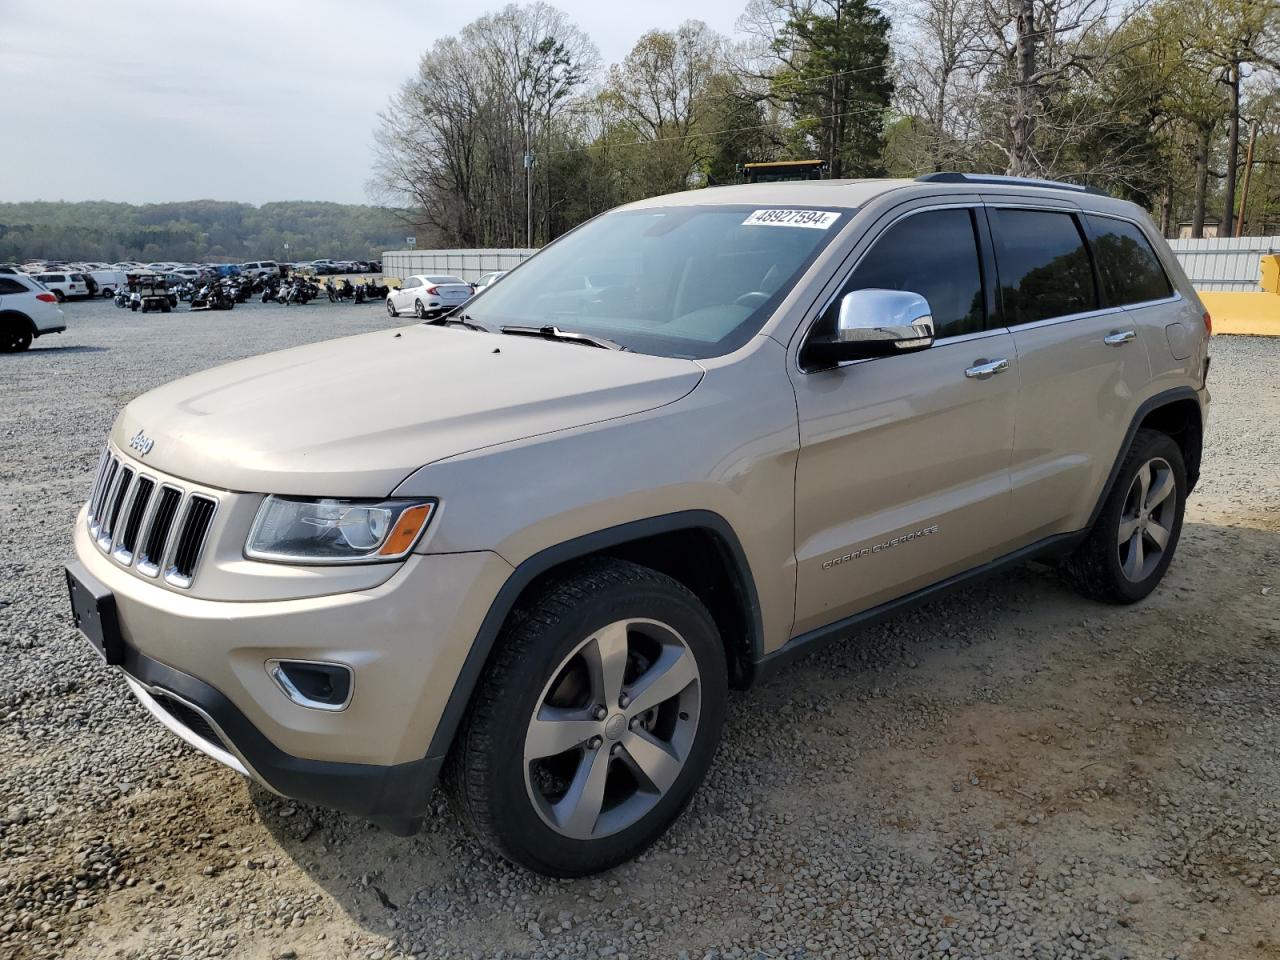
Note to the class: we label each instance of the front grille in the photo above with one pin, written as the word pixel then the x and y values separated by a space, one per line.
pixel 190 719
pixel 150 524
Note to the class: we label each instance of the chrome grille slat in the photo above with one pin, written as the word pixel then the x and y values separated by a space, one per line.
pixel 188 543
pixel 112 505
pixel 160 528
pixel 148 523
pixel 139 501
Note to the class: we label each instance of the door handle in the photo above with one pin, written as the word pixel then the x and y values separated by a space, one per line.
pixel 1119 338
pixel 986 369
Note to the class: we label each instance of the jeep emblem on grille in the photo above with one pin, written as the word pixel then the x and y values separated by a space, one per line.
pixel 142 443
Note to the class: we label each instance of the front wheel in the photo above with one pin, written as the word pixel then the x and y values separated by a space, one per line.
pixel 596 722
pixel 391 308
pixel 1131 544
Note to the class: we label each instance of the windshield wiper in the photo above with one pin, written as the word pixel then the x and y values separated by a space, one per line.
pixel 550 332
pixel 462 319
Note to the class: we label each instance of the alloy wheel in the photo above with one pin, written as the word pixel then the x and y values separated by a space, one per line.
pixel 612 729
pixel 417 310
pixel 1147 519
pixel 391 307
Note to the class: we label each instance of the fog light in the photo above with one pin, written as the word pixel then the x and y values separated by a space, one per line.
pixel 312 684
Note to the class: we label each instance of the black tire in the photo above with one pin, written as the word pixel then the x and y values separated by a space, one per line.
pixel 391 308
pixel 60 296
pixel 15 335
pixel 487 777
pixel 418 311
pixel 1095 568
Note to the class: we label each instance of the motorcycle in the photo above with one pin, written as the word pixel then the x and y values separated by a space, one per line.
pixel 213 296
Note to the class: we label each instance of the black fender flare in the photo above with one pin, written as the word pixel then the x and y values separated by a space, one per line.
pixel 549 558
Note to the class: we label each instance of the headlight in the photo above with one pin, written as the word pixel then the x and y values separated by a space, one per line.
pixel 295 530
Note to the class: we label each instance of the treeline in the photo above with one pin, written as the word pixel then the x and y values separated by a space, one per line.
pixel 196 231
pixel 1153 100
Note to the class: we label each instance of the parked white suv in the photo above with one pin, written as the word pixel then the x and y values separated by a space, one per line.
pixel 64 285
pixel 27 311
pixel 260 268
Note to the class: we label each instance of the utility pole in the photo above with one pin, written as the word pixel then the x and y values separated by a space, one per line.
pixel 1244 186
pixel 528 191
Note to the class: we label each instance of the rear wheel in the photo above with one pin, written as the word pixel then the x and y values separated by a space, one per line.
pixel 1131 544
pixel 418 311
pixel 597 719
pixel 15 335
pixel 61 297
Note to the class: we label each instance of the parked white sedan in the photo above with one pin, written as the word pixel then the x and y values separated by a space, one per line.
pixel 427 296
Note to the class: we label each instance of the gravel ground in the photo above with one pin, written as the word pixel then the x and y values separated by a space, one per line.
pixel 1011 773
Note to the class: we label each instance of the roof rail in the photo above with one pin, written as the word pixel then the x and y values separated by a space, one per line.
pixel 948 176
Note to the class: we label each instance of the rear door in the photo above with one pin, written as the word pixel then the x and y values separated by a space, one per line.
pixel 1083 366
pixel 903 472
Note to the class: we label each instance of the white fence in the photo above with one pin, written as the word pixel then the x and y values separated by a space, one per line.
pixel 467 264
pixel 1225 263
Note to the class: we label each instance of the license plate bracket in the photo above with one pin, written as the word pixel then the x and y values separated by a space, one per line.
pixel 93 608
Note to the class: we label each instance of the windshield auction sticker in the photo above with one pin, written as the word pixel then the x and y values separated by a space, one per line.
pixel 813 219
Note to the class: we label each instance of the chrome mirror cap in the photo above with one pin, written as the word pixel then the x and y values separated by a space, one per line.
pixel 872 323
pixel 895 319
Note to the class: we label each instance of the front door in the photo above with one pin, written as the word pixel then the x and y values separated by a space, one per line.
pixel 903 471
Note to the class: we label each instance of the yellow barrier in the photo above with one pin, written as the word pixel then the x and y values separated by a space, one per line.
pixel 1248 314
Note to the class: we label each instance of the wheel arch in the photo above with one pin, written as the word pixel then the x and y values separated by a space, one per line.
pixel 696 547
pixel 9 316
pixel 1176 412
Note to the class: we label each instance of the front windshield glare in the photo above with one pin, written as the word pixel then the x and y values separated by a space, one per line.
pixel 675 281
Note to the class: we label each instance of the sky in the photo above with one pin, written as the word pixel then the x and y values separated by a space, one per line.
pixel 145 102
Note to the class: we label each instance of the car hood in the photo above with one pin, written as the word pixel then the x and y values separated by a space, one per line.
pixel 355 416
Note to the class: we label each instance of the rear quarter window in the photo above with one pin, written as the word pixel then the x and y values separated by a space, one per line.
pixel 1131 271
pixel 9 285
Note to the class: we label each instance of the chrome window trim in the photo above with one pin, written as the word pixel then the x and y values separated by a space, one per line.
pixel 826 304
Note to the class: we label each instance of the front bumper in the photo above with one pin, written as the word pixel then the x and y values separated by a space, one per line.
pixel 202 665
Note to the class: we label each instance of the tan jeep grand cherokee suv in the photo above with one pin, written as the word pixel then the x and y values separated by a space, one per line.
pixel 538 539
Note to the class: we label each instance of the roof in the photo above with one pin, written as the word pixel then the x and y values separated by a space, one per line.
pixel 849 194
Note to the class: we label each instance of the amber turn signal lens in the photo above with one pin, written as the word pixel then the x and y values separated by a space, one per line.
pixel 1208 323
pixel 406 530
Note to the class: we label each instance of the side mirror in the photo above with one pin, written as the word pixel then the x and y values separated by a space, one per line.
pixel 874 323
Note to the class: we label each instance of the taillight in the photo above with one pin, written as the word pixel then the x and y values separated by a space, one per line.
pixel 1208 323
pixel 432 290
pixel 46 298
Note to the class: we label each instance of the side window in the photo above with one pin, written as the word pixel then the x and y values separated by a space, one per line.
pixel 1044 265
pixel 10 286
pixel 934 254
pixel 1131 271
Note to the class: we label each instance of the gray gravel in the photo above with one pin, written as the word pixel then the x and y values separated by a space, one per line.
pixel 1011 773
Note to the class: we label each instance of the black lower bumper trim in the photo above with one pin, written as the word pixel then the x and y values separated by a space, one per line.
pixel 394 797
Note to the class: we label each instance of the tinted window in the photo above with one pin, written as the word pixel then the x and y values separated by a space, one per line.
pixel 10 286
pixel 934 254
pixel 1044 266
pixel 1131 271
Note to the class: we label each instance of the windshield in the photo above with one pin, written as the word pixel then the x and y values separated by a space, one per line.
pixel 676 281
